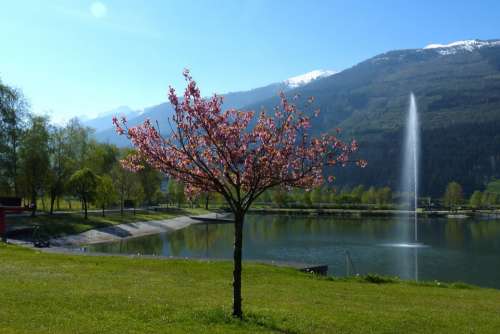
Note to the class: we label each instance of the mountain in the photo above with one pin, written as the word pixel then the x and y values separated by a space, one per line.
pixel 457 87
pixel 103 120
pixel 161 112
pixel 306 78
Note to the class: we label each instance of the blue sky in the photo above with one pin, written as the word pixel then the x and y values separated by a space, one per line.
pixel 81 58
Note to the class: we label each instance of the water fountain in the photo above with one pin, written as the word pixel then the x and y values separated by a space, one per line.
pixel 410 163
pixel 410 174
pixel 409 189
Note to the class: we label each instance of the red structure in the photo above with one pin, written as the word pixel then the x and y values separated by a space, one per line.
pixel 8 205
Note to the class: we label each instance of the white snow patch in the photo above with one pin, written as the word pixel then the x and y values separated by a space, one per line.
pixel 303 79
pixel 466 45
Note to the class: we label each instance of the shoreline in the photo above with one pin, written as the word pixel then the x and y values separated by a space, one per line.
pixel 144 228
pixel 461 214
pixel 128 230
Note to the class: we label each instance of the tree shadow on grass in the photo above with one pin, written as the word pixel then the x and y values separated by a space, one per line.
pixel 251 319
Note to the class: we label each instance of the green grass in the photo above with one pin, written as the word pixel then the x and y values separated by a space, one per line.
pixel 74 223
pixel 55 293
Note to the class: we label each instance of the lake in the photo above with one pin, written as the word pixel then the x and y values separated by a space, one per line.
pixel 452 250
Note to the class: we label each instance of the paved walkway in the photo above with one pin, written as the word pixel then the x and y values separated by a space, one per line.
pixel 122 231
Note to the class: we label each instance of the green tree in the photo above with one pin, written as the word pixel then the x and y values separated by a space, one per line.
pixel 357 193
pixel 79 141
pixel 176 192
pixel 124 181
pixel 317 195
pixel 306 198
pixel 384 196
pixel 106 193
pixel 453 195
pixel 34 157
pixel 279 197
pixel 13 119
pixel 61 165
pixel 83 184
pixel 489 199
pixel 476 199
pixel 369 196
pixel 150 180
pixel 493 187
pixel 100 157
pixel 265 197
pixel 136 193
pixel 179 194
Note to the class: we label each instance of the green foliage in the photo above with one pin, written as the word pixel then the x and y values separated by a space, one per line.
pixel 493 187
pixel 357 193
pixel 369 196
pixel 176 192
pixel 279 197
pixel 328 197
pixel 306 198
pixel 37 159
pixel 490 199
pixel 476 199
pixel 317 195
pixel 453 195
pixel 384 196
pixel 100 157
pixel 14 115
pixel 106 193
pixel 83 183
pixel 34 157
pixel 150 180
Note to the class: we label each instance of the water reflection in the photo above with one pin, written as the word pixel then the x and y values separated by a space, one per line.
pixel 456 250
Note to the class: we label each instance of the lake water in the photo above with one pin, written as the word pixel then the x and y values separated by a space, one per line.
pixel 454 250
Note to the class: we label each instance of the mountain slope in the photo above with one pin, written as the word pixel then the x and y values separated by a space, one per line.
pixel 458 94
pixel 103 121
pixel 163 111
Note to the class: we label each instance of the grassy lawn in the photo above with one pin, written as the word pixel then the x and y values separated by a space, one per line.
pixel 54 293
pixel 73 223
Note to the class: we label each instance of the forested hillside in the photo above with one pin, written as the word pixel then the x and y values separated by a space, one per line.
pixel 458 96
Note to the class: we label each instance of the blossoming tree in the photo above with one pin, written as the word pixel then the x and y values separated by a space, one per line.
pixel 238 154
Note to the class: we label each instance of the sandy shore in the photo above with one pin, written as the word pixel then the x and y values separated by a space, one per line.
pixel 122 231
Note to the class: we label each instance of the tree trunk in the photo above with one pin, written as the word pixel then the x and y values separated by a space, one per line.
pixel 103 210
pixel 121 206
pixel 52 200
pixel 33 203
pixel 238 245
pixel 85 208
pixel 206 202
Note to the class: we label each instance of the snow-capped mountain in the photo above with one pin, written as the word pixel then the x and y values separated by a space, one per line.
pixel 306 78
pixel 466 45
pixel 160 112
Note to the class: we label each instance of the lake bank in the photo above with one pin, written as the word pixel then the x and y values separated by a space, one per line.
pixel 128 230
pixel 460 214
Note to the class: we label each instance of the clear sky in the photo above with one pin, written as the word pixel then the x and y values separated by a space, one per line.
pixel 81 58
